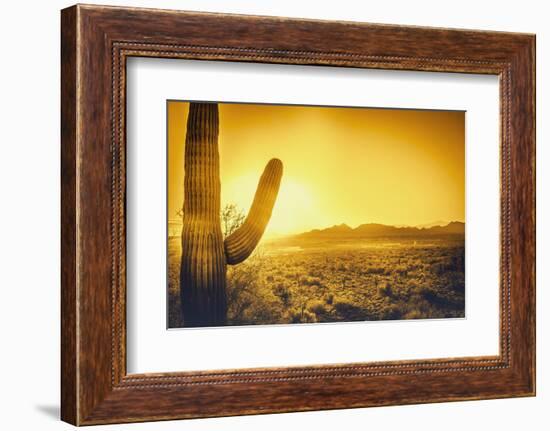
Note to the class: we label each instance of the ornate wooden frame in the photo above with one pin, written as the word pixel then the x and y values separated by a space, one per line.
pixel 95 43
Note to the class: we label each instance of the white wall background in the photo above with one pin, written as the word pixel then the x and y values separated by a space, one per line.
pixel 29 227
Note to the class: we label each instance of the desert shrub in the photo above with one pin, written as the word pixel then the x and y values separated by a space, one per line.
pixel 427 292
pixel 174 304
pixel 439 299
pixel 283 293
pixel 309 281
pixel 314 281
pixel 240 292
pixel 263 310
pixel 348 310
pixel 385 290
pixel 249 300
pixel 453 263
pixel 318 307
pixel 413 314
pixel 341 267
pixel 375 270
pixel 401 271
pixel 413 267
pixel 437 268
pixel 455 281
pixel 314 273
pixel 393 312
pixel 302 316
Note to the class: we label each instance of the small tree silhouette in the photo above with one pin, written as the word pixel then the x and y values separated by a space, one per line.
pixel 232 218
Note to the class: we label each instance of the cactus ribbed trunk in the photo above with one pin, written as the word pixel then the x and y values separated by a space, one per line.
pixel 204 254
pixel 203 268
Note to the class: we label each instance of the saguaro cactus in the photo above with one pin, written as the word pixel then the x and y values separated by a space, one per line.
pixel 205 254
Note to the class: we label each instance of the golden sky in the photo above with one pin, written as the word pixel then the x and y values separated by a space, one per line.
pixel 341 165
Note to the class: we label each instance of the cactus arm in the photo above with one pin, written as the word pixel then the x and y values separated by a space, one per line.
pixel 241 243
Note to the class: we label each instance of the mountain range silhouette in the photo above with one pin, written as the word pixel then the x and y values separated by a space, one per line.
pixel 382 230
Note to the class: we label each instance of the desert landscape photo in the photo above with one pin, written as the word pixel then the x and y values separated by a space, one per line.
pixel 281 214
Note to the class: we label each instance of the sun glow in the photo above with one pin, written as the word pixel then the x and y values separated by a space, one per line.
pixel 340 165
pixel 294 208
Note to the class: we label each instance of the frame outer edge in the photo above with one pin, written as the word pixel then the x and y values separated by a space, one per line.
pixel 69 197
pixel 530 62
pixel 532 101
pixel 533 53
pixel 87 397
pixel 523 214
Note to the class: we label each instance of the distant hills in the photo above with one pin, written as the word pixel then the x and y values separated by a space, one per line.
pixel 371 230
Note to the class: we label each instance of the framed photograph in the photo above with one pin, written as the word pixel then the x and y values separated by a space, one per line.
pixel 291 259
pixel 268 215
